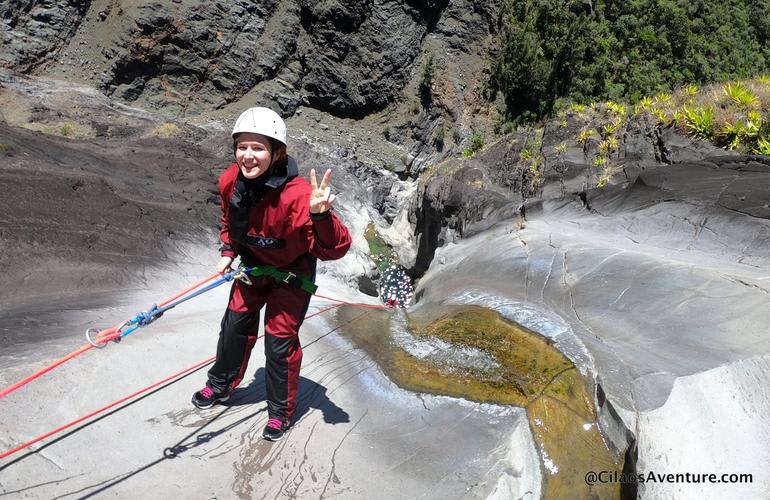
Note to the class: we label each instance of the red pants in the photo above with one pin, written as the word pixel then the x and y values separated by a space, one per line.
pixel 285 309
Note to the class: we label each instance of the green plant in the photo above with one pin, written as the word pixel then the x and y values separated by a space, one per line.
pixel 585 134
pixel 690 90
pixel 740 95
pixel 551 54
pixel 605 178
pixel 608 145
pixel 660 115
pixel 699 121
pixel 67 129
pixel 663 98
pixel 577 108
pixel 477 142
pixel 764 79
pixel 616 108
pixel 426 82
pixel 561 148
pixel 4 147
pixel 438 138
pixel 742 133
pixel 762 147
pixel 536 169
pixel 526 154
pixel 644 104
pixel 609 128
pixel 600 161
pixel 467 153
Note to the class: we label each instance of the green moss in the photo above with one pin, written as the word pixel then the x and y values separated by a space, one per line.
pixel 377 245
pixel 532 374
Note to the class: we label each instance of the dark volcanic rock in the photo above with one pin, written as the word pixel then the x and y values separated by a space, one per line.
pixel 450 202
pixel 32 33
pixel 674 147
pixel 330 55
pixel 206 56
pixel 354 64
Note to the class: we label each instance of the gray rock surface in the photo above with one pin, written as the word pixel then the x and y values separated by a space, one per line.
pixel 356 435
pixel 664 282
pixel 32 32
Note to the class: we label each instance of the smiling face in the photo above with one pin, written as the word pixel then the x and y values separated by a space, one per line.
pixel 253 154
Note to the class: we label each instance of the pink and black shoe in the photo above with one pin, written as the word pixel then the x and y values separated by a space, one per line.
pixel 274 430
pixel 206 398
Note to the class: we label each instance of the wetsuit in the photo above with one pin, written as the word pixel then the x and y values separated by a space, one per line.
pixel 267 221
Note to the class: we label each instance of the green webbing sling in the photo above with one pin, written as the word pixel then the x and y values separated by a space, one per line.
pixel 286 277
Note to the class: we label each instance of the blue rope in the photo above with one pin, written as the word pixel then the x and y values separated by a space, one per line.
pixel 144 318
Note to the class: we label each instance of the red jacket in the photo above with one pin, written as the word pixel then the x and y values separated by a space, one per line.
pixel 279 230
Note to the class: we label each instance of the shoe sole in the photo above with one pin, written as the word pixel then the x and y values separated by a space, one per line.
pixel 206 407
pixel 272 439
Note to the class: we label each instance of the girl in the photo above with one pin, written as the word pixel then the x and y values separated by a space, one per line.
pixel 279 224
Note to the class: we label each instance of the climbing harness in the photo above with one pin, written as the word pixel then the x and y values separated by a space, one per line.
pixel 285 277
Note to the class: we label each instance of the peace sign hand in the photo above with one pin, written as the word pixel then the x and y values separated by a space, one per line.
pixel 321 197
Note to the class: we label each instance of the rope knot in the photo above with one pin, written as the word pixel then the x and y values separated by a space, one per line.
pixel 144 318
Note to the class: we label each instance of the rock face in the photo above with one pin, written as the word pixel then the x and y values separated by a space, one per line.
pixel 354 64
pixel 32 33
pixel 203 56
pixel 339 57
pixel 449 202
pixel 118 207
pixel 525 169
pixel 660 280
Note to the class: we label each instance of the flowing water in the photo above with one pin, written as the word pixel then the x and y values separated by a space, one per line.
pixel 473 352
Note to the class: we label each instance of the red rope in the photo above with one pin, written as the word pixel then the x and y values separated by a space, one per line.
pixel 149 387
pixel 357 304
pixel 104 335
pixel 104 408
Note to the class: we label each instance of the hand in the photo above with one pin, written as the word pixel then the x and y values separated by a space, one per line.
pixel 223 266
pixel 321 197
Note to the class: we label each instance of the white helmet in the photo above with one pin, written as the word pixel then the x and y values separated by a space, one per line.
pixel 262 121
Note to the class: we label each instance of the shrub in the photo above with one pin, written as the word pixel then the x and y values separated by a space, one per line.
pixel 740 95
pixel 426 83
pixel 585 134
pixel 438 139
pixel 67 129
pixel 167 130
pixel 699 122
pixel 763 146
pixel 477 142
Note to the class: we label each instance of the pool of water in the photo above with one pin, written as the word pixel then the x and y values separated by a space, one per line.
pixel 473 352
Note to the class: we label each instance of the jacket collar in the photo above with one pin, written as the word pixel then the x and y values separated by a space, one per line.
pixel 282 172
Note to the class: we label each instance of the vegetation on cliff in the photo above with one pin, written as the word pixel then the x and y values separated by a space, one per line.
pixel 623 50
